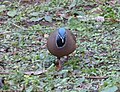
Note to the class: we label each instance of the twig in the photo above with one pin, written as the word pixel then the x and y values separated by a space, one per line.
pixel 4 73
pixel 96 77
pixel 17 26
pixel 112 20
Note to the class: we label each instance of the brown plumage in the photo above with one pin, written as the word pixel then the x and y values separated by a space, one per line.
pixel 61 43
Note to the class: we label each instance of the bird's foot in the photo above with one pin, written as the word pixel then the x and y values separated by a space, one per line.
pixel 58 65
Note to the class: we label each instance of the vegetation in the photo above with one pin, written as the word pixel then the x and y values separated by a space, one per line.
pixel 25 62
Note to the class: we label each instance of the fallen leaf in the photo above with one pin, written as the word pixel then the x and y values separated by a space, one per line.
pixel 46 35
pixel 12 13
pixel 35 72
pixel 48 18
pixel 2 8
pixel 110 89
pixel 35 19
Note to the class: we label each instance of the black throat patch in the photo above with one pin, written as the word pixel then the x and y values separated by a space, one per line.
pixel 59 41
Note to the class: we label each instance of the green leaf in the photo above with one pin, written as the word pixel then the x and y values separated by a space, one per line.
pixel 110 89
pixel 64 80
pixel 79 81
pixel 73 4
pixel 48 18
pixel 2 8
pixel 12 13
pixel 83 90
pixel 34 14
pixel 29 89
pixel 63 71
pixel 35 19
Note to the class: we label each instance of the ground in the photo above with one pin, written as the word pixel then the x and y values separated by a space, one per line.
pixel 26 64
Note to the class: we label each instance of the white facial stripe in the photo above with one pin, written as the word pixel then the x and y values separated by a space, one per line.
pixel 60 36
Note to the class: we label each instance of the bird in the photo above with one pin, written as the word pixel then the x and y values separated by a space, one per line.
pixel 61 42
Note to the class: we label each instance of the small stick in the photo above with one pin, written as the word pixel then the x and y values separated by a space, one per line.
pixel 4 73
pixel 96 77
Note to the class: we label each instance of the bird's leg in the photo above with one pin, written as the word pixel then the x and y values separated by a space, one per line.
pixel 58 64
pixel 67 58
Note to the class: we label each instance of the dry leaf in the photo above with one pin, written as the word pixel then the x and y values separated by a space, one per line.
pixel 46 35
pixel 35 72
